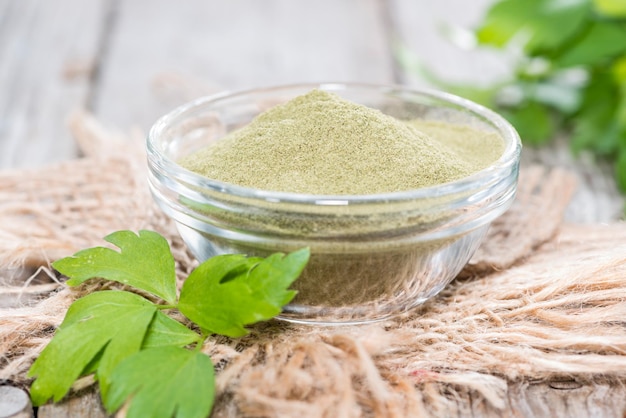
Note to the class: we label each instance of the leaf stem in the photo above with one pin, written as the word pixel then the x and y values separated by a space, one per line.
pixel 163 307
pixel 201 341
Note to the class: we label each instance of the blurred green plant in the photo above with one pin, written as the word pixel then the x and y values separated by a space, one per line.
pixel 570 73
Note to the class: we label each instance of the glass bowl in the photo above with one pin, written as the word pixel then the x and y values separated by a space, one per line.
pixel 372 256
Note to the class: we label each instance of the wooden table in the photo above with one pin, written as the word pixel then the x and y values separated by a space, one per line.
pixel 130 61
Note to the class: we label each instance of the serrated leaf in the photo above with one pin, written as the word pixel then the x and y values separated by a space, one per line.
pixel 163 331
pixel 603 41
pixel 163 383
pixel 270 278
pixel 245 297
pixel 167 332
pixel 546 24
pixel 222 307
pixel 144 262
pixel 112 321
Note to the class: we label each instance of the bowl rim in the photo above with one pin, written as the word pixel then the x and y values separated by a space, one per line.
pixel 507 161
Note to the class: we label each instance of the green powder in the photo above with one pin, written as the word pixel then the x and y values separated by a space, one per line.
pixel 320 143
pixel 366 258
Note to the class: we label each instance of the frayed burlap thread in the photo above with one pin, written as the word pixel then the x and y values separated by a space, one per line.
pixel 535 302
pixel 522 229
pixel 49 213
pixel 559 314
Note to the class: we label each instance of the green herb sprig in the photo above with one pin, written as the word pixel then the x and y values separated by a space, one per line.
pixel 569 73
pixel 140 355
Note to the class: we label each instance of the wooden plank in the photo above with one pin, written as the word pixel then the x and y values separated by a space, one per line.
pixel 87 405
pixel 557 398
pixel 597 198
pixel 164 53
pixel 567 399
pixel 47 51
pixel 14 403
pixel 161 54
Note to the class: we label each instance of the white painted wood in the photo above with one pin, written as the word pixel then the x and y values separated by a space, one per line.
pixel 86 405
pixel 232 45
pixel 14 403
pixel 597 198
pixel 47 49
pixel 157 54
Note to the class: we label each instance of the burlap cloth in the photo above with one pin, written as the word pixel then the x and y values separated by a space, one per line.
pixel 538 300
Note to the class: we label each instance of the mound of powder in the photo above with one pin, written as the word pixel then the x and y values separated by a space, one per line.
pixel 320 143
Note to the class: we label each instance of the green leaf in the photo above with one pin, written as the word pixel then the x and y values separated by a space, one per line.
pixel 226 293
pixel 603 41
pixel 611 8
pixel 503 20
pixel 270 278
pixel 110 323
pixel 595 126
pixel 572 75
pixel 619 74
pixel 547 24
pixel 619 70
pixel 532 121
pixel 165 332
pixel 163 383
pixel 223 306
pixel 145 262
pixel 592 134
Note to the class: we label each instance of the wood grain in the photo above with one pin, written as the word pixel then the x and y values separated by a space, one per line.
pixel 14 403
pixel 207 46
pixel 567 399
pixel 597 198
pixel 557 398
pixel 133 60
pixel 87 405
pixel 47 52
